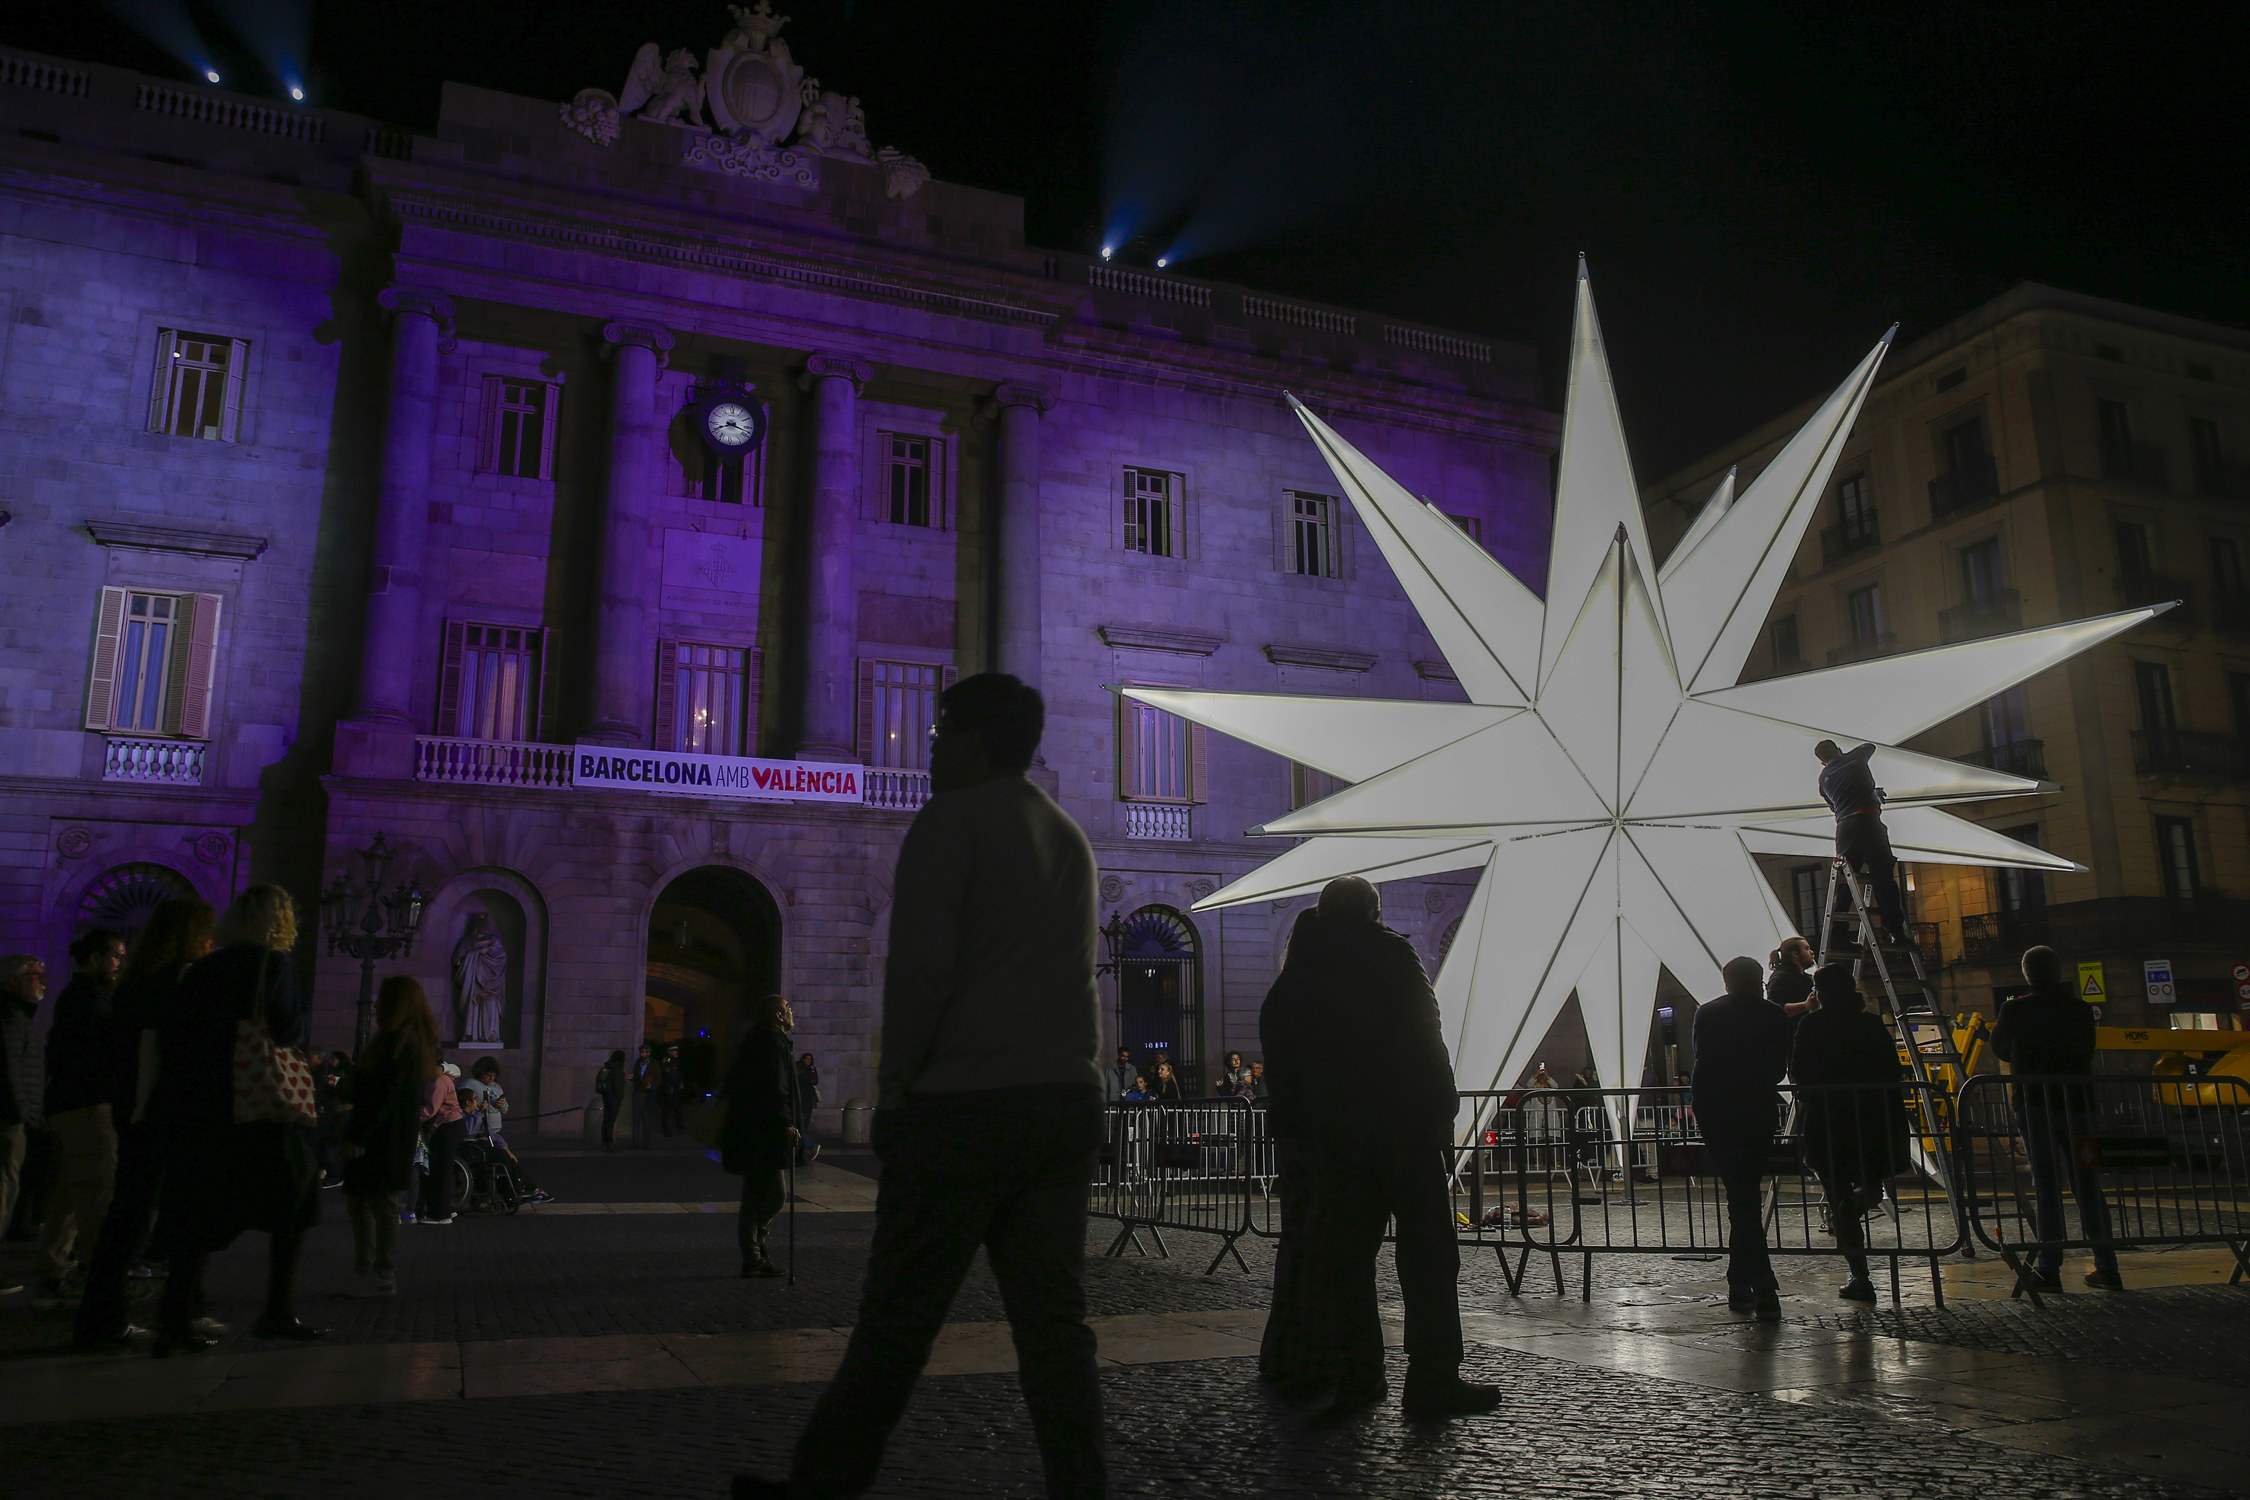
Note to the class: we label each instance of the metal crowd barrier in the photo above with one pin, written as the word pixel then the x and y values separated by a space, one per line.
pixel 1582 1173
pixel 2140 1161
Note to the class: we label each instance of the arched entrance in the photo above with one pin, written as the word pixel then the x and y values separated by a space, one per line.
pixel 122 899
pixel 714 946
pixel 1160 993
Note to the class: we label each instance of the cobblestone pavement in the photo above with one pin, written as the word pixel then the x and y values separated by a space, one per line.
pixel 576 1338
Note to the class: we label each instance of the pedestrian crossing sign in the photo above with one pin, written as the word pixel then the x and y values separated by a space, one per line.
pixel 2090 986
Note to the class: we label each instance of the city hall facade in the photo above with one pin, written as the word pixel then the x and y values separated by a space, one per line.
pixel 590 498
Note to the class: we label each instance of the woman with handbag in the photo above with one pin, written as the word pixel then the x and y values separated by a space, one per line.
pixel 235 1095
pixel 394 1071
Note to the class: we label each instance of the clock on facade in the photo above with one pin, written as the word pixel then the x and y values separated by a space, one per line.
pixel 732 426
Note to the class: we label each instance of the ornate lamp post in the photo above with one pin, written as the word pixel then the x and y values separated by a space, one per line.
pixel 367 924
pixel 1113 943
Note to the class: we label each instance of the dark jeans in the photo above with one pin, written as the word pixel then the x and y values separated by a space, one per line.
pixel 1358 1194
pixel 609 1122
pixel 2051 1139
pixel 673 1108
pixel 762 1199
pixel 644 1111
pixel 1866 843
pixel 1842 1192
pixel 1739 1147
pixel 1006 1169
pixel 183 1284
pixel 1290 1353
pixel 124 1232
pixel 445 1149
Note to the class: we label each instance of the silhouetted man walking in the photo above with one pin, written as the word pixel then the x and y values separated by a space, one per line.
pixel 1847 785
pixel 1382 1153
pixel 989 1103
pixel 1741 1051
pixel 2050 1032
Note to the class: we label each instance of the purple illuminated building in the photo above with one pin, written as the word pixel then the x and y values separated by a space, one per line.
pixel 352 476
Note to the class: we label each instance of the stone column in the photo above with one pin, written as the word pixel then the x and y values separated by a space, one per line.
pixel 1016 592
pixel 832 595
pixel 377 738
pixel 624 671
pixel 422 321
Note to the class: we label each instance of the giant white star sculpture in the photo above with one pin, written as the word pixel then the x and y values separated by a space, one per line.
pixel 1609 775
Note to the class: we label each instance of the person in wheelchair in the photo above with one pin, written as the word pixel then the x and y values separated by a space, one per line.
pixel 485 1103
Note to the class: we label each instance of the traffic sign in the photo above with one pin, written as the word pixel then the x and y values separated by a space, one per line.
pixel 2242 973
pixel 2092 987
pixel 2157 974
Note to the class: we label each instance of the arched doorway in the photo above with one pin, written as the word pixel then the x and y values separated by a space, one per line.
pixel 714 946
pixel 122 899
pixel 1160 993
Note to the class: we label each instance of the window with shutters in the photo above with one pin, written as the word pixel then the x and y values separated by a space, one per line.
pixel 913 484
pixel 2176 858
pixel 518 439
pixel 1155 512
pixel 1309 545
pixel 1807 899
pixel 494 679
pixel 1308 785
pixel 197 389
pixel 1161 757
pixel 704 698
pixel 154 660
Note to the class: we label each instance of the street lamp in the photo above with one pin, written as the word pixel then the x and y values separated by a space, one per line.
pixel 367 924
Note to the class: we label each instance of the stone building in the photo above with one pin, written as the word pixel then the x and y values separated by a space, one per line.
pixel 354 475
pixel 2049 457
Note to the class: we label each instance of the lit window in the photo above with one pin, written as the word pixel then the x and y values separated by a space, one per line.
pixel 490 682
pixel 1155 513
pixel 901 709
pixel 2175 854
pixel 519 427
pixel 1159 755
pixel 703 700
pixel 910 489
pixel 1311 542
pixel 197 390
pixel 154 657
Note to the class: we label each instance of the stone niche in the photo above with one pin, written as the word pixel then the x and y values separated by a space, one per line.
pixel 515 916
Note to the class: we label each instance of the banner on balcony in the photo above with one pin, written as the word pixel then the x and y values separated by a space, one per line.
pixel 734 777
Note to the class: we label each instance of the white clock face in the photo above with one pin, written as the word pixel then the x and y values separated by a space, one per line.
pixel 731 423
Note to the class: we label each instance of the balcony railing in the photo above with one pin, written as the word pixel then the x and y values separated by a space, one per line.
pixel 895 789
pixel 2012 757
pixel 1969 485
pixel 1856 535
pixel 168 762
pixel 1882 644
pixel 1926 939
pixel 2188 752
pixel 1157 820
pixel 490 762
pixel 2136 589
pixel 2150 924
pixel 1998 611
pixel 2138 463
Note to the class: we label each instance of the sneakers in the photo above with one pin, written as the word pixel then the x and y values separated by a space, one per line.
pixel 1440 1401
pixel 296 1329
pixel 119 1339
pixel 1859 1289
pixel 2105 1281
pixel 10 1288
pixel 540 1195
pixel 441 1223
pixel 407 1217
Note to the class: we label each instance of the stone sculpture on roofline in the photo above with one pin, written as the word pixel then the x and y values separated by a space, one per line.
pixel 768 119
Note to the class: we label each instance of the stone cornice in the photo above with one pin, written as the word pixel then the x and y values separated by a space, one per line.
pixel 1327 657
pixel 169 536
pixel 1015 393
pixel 836 367
pixel 1148 638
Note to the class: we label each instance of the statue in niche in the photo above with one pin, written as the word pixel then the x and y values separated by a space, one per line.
pixel 480 979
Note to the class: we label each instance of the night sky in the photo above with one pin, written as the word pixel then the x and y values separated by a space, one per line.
pixel 1759 191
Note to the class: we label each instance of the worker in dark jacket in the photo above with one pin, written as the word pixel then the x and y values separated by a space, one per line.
pixel 81 1064
pixel 1741 1051
pixel 1290 1355
pixel 2049 1033
pixel 1851 1114
pixel 760 1134
pixel 1383 1155
pixel 1847 785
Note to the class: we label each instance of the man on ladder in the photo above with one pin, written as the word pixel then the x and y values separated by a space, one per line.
pixel 1848 787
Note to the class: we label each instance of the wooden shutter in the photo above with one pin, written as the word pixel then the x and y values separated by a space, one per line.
pixel 198 669
pixel 543 722
pixel 238 378
pixel 488 428
pixel 550 405
pixel 1285 534
pixel 1126 535
pixel 1175 494
pixel 1128 751
pixel 1199 764
pixel 449 678
pixel 865 722
pixel 160 388
pixel 101 677
pixel 753 698
pixel 667 694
